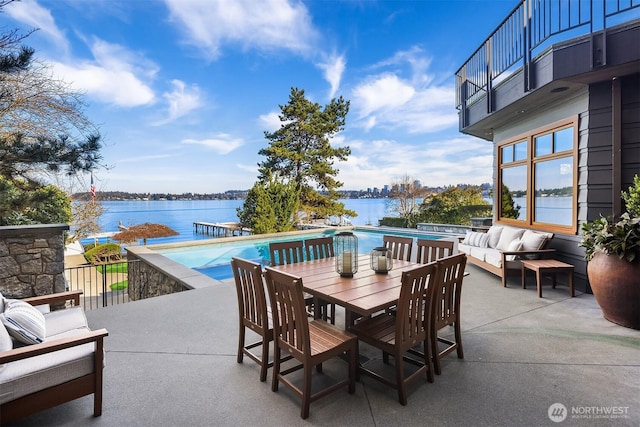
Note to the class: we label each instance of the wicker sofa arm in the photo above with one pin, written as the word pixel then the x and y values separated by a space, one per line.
pixel 25 352
pixel 58 298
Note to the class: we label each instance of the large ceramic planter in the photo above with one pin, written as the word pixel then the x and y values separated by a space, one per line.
pixel 616 285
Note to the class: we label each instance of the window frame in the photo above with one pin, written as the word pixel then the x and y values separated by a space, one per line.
pixel 530 162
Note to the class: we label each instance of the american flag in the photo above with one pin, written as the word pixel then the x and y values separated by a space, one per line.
pixel 93 189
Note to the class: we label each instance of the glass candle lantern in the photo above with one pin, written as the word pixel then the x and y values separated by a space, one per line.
pixel 346 253
pixel 381 260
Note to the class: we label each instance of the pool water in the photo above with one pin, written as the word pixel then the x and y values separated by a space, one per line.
pixel 214 260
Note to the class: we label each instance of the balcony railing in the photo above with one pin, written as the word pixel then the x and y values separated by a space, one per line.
pixel 102 284
pixel 528 30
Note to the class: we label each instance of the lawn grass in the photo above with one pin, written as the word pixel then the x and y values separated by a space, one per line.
pixel 119 286
pixel 121 267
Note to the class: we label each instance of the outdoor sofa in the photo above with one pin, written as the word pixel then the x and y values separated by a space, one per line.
pixel 48 356
pixel 501 248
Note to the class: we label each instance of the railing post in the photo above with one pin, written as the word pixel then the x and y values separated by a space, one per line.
pixel 104 285
pixel 526 69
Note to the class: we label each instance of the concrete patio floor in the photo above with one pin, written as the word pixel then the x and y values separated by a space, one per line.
pixel 171 361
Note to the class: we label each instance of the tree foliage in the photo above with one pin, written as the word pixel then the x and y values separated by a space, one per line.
pixel 509 208
pixel 43 132
pixel 21 203
pixel 300 151
pixel 270 206
pixel 454 205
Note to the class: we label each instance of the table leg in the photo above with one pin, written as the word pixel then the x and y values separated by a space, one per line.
pixel 538 278
pixel 524 272
pixel 571 291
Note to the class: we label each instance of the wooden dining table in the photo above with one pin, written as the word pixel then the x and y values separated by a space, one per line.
pixel 364 294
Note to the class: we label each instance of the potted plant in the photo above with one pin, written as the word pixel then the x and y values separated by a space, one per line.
pixel 612 250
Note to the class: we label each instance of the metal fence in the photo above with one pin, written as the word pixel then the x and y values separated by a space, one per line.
pixel 102 284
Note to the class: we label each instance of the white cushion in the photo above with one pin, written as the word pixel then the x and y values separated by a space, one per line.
pixel 532 241
pixel 494 233
pixel 5 340
pixel 23 321
pixel 2 299
pixel 507 236
pixel 473 238
pixel 465 249
pixel 515 245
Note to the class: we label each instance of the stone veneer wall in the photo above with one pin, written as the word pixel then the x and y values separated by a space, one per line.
pixel 151 274
pixel 32 260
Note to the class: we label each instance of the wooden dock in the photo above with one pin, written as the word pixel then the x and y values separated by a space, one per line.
pixel 220 229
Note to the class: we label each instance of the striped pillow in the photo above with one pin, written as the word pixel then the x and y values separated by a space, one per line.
pixel 473 238
pixel 23 321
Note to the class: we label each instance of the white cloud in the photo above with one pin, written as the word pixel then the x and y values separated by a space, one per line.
pixel 271 121
pixel 181 101
pixel 333 69
pixel 405 97
pixel 115 76
pixel 31 13
pixel 264 25
pixel 222 143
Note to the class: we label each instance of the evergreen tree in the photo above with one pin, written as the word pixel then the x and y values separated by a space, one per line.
pixel 300 151
pixel 269 206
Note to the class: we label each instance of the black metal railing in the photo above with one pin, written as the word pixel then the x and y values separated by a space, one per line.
pixel 530 28
pixel 102 284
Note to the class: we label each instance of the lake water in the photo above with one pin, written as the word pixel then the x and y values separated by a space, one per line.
pixel 181 214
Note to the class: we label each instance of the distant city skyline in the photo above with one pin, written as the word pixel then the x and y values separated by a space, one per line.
pixel 183 90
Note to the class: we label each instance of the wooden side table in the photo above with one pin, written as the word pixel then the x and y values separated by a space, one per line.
pixel 549 266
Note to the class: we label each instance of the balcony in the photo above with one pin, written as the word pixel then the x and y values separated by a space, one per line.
pixel 543 51
pixel 171 360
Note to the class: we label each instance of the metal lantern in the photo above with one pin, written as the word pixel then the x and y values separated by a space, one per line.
pixel 381 260
pixel 346 253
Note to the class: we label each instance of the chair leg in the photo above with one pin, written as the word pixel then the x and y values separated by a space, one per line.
pixel 241 343
pixel 306 391
pixel 400 384
pixel 265 359
pixel 353 367
pixel 385 357
pixel 459 340
pixel 428 356
pixel 276 367
pixel 436 353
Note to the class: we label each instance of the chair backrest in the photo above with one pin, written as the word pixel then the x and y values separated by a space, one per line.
pixel 414 305
pixel 290 323
pixel 447 291
pixel 252 301
pixel 319 248
pixel 400 246
pixel 433 250
pixel 289 252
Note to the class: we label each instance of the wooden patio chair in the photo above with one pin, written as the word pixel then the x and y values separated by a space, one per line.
pixel 446 307
pixel 400 246
pixel 397 335
pixel 290 252
pixel 432 250
pixel 253 312
pixel 311 343
pixel 321 248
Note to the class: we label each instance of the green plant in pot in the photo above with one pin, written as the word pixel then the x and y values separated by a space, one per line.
pixel 612 249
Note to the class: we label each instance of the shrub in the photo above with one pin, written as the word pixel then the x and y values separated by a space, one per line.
pixel 104 253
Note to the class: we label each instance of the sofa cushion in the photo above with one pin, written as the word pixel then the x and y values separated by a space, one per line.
pixel 474 238
pixel 494 233
pixel 2 298
pixel 24 322
pixel 465 249
pixel 60 321
pixel 515 245
pixel 508 235
pixel 6 343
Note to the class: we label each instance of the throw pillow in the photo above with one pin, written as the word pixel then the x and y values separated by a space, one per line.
pixel 474 238
pixel 5 340
pixel 532 241
pixel 23 321
pixel 507 236
pixel 494 233
pixel 515 245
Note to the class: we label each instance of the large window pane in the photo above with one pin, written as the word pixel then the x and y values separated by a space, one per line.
pixel 513 195
pixel 554 191
pixel 563 140
pixel 507 154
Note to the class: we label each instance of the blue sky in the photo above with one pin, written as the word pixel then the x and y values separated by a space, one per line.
pixel 183 90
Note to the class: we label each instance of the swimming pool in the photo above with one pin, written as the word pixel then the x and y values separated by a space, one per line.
pixel 214 259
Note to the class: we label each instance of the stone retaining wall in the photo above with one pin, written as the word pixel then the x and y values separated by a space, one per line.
pixel 32 260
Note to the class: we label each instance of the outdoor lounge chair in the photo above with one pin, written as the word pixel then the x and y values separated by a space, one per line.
pixel 67 365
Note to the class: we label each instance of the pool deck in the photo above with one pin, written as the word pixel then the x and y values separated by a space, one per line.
pixel 171 361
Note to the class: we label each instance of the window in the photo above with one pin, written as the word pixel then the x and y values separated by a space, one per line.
pixel 537 178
